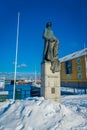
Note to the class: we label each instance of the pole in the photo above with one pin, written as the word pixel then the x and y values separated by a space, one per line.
pixel 16 57
pixel 35 75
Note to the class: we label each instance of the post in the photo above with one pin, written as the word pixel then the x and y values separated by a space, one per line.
pixel 35 75
pixel 16 56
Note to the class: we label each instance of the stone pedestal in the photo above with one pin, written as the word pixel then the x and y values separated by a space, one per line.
pixel 50 82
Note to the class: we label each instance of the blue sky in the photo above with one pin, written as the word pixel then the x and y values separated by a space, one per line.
pixel 69 23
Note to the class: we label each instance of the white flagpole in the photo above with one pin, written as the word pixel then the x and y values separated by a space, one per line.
pixel 35 74
pixel 16 56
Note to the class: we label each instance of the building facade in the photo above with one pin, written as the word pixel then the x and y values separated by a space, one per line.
pixel 74 69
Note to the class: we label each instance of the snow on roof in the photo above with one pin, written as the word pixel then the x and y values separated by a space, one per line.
pixel 74 55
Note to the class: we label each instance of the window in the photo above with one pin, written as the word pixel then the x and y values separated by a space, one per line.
pixel 79 68
pixel 78 60
pixel 79 76
pixel 68 67
pixel 52 90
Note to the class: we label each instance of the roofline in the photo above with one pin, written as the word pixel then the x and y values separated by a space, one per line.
pixel 70 56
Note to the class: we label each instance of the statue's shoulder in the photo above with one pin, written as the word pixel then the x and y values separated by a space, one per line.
pixel 48 30
pixel 45 31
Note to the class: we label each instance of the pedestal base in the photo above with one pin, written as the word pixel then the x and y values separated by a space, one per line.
pixel 50 82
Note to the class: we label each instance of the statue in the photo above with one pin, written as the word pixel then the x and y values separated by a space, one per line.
pixel 51 48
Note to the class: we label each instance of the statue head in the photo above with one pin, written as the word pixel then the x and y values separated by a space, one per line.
pixel 49 24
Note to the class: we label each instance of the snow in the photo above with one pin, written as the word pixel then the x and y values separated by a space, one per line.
pixel 40 114
pixel 4 92
pixel 74 55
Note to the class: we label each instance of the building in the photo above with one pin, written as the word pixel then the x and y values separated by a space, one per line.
pixel 74 69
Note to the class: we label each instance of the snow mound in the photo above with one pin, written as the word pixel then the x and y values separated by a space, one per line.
pixel 38 114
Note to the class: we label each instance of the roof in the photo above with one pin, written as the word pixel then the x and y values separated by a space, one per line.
pixel 74 55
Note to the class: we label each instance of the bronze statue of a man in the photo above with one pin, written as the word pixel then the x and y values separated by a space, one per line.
pixel 51 48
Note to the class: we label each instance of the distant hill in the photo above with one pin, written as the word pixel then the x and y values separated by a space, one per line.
pixel 20 75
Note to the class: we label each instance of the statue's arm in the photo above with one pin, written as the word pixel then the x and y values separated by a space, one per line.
pixel 50 36
pixel 45 36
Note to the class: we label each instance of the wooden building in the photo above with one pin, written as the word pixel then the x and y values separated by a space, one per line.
pixel 74 69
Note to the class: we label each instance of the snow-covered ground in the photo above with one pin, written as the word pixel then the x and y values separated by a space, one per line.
pixel 39 114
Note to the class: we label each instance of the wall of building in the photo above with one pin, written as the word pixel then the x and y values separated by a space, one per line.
pixel 78 75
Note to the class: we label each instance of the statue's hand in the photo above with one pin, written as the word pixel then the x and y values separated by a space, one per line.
pixel 51 40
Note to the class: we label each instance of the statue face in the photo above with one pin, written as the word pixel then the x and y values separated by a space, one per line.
pixel 49 27
pixel 49 24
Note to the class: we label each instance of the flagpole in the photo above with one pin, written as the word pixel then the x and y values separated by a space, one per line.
pixel 16 56
pixel 35 74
